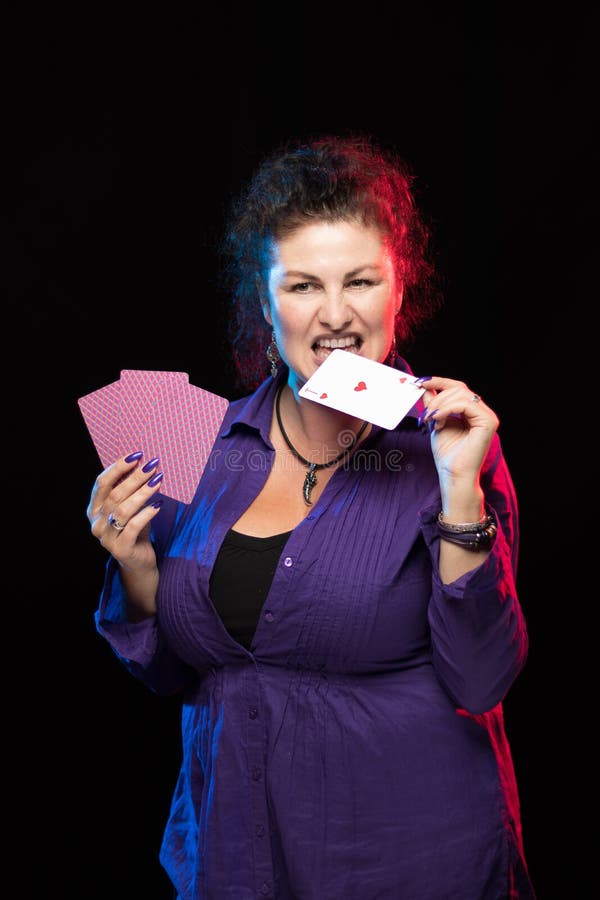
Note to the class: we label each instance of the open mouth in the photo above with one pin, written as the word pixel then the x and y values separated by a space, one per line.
pixel 323 347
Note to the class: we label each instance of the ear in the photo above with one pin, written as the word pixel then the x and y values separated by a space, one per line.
pixel 399 298
pixel 263 299
pixel 267 312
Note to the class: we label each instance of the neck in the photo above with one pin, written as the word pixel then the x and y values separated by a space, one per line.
pixel 313 465
pixel 319 430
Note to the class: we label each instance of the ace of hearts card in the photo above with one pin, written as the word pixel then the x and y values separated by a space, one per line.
pixel 363 388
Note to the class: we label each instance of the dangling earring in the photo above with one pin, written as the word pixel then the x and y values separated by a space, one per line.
pixel 273 355
pixel 393 353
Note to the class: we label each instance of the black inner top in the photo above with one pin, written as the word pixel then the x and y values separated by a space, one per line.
pixel 241 579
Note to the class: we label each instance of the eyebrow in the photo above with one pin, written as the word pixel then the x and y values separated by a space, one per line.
pixel 306 276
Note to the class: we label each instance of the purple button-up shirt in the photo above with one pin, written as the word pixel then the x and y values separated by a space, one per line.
pixel 357 751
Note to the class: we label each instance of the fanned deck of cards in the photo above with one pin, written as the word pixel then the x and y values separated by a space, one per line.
pixel 161 414
pixel 363 388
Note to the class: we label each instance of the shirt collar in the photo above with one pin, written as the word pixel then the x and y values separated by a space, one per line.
pixel 256 410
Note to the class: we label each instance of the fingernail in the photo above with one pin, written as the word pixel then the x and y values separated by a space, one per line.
pixel 423 378
pixel 156 479
pixel 420 420
pixel 431 426
pixel 134 456
pixel 151 464
pixel 157 504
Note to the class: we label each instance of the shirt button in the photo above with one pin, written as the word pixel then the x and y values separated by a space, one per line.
pixel 256 773
pixel 265 888
pixel 288 561
pixel 253 712
pixel 260 831
pixel 269 616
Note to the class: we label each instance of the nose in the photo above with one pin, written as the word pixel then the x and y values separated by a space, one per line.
pixel 335 312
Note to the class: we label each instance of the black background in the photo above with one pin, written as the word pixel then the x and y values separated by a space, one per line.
pixel 127 134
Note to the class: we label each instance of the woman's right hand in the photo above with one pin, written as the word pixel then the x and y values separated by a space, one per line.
pixel 120 511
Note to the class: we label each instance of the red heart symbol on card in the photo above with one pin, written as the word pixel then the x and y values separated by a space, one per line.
pixel 361 386
pixel 402 380
pixel 322 396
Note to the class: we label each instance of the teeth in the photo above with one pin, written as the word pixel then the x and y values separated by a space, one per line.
pixel 337 343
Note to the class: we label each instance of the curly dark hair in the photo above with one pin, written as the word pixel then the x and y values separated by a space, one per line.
pixel 329 179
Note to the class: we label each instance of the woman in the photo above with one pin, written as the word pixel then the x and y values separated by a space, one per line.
pixel 337 605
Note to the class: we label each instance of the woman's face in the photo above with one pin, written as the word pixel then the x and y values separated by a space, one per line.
pixel 331 285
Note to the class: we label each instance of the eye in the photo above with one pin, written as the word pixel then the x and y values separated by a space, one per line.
pixel 301 287
pixel 360 283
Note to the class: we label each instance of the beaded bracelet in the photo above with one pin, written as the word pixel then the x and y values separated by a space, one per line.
pixel 470 535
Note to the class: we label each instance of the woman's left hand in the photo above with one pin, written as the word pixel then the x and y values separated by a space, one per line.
pixel 462 427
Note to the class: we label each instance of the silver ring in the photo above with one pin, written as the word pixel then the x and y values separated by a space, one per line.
pixel 114 522
pixel 475 398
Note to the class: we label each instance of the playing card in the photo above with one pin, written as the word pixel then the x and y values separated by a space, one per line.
pixel 100 410
pixel 169 418
pixel 363 388
pixel 139 390
pixel 181 429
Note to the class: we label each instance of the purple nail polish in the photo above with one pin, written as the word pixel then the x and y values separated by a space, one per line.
pixel 423 378
pixel 133 457
pixel 157 504
pixel 156 479
pixel 151 464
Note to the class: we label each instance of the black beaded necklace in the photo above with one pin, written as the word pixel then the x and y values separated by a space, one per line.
pixel 311 478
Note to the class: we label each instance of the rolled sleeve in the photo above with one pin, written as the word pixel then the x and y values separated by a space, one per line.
pixel 140 646
pixel 478 632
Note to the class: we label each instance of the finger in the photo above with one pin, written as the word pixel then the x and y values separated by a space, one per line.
pixel 462 409
pixel 437 383
pixel 435 386
pixel 449 397
pixel 425 401
pixel 119 480
pixel 116 519
pixel 107 480
pixel 120 543
pixel 132 482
